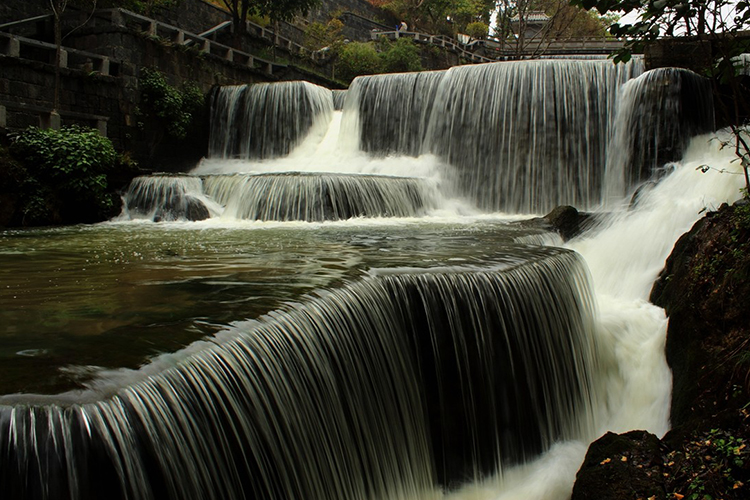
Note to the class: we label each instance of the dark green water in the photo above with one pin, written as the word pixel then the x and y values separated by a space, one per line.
pixel 81 299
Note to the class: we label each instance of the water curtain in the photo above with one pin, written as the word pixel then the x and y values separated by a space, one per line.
pixel 390 385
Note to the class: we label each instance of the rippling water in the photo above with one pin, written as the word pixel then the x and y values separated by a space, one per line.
pixel 80 299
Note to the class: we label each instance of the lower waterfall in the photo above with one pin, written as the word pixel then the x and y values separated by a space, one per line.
pixel 426 378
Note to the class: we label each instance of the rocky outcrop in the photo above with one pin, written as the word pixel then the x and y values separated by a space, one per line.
pixel 565 220
pixel 704 288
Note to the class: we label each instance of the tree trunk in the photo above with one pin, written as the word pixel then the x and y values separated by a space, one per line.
pixel 58 54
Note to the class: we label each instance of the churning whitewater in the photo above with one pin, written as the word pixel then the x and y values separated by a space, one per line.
pixel 451 354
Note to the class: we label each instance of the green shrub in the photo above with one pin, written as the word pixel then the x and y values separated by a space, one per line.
pixel 66 173
pixel 401 56
pixel 357 58
pixel 175 108
pixel 477 30
pixel 76 158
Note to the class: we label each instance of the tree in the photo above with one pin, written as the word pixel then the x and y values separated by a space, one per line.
pixel 720 23
pixel 58 7
pixel 516 19
pixel 357 58
pixel 438 16
pixel 276 10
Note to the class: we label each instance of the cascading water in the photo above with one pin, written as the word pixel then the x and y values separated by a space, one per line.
pixel 530 157
pixel 389 113
pixel 372 391
pixel 265 120
pixel 430 361
pixel 166 198
pixel 660 111
pixel 319 197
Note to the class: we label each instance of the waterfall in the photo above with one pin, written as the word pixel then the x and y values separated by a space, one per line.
pixel 518 137
pixel 391 112
pixel 280 197
pixel 339 97
pixel 297 196
pixel 525 137
pixel 265 120
pixel 386 387
pixel 659 113
pixel 166 198
pixel 398 382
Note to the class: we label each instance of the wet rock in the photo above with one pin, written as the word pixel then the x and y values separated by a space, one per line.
pixel 564 220
pixel 622 466
pixel 182 208
pixel 195 209
pixel 704 288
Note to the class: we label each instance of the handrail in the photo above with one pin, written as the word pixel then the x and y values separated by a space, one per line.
pixel 152 27
pixel 436 40
pixel 10 45
pixel 501 49
pixel 215 29
pixel 24 21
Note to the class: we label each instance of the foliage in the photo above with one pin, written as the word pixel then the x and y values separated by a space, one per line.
pixel 74 161
pixel 384 56
pixel 648 21
pixel 401 56
pixel 319 35
pixel 275 10
pixel 712 466
pixel 175 108
pixel 438 16
pixel 76 157
pixel 477 29
pixel 357 58
pixel 145 7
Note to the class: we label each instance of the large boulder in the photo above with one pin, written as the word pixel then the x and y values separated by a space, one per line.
pixel 704 289
pixel 622 466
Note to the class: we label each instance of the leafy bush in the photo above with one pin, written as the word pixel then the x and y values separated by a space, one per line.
pixel 175 108
pixel 77 158
pixel 65 169
pixel 357 59
pixel 477 30
pixel 401 56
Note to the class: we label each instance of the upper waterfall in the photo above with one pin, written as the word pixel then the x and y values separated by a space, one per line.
pixel 517 137
pixel 265 120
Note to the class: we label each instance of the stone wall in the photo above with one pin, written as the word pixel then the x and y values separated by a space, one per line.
pixel 27 86
pixel 13 10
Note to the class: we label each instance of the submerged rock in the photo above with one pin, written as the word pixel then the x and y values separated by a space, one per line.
pixel 565 220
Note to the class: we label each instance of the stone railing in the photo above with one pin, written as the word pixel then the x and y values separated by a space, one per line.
pixel 436 40
pixel 496 50
pixel 151 27
pixel 27 48
pixel 53 119
pixel 535 47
